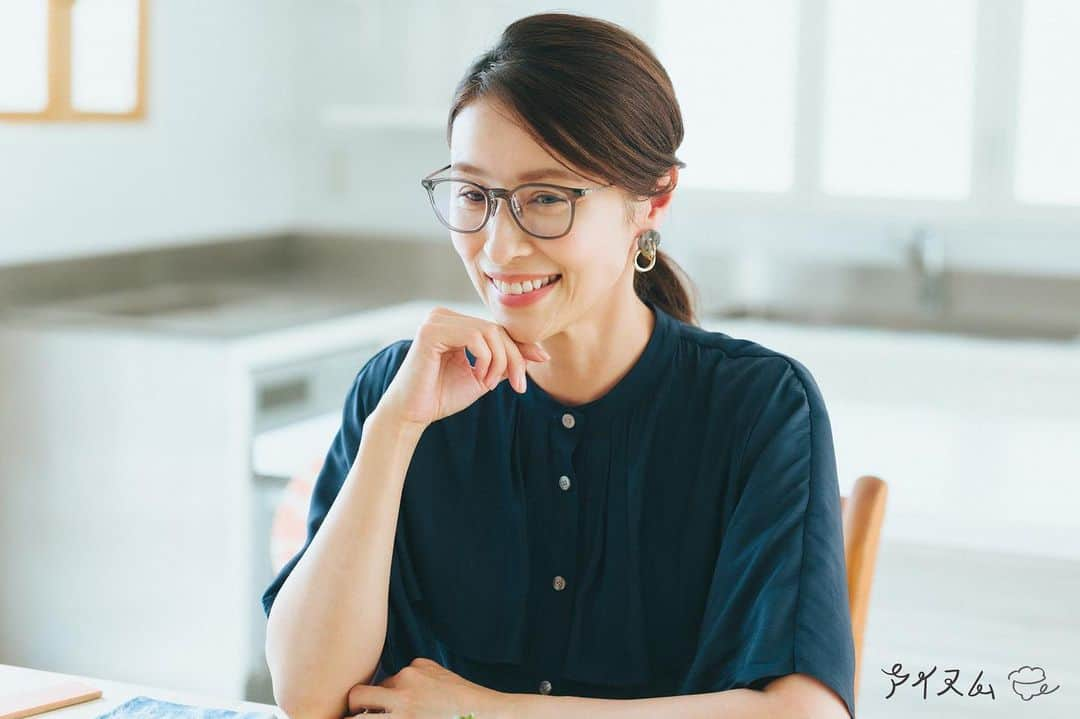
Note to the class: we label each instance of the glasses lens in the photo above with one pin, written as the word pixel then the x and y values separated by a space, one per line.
pixel 545 211
pixel 460 205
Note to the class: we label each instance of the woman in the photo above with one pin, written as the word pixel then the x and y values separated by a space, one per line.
pixel 642 521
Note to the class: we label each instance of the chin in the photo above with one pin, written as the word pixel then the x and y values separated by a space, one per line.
pixel 519 328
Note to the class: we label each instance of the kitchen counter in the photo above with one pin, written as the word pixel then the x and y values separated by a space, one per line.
pixel 232 289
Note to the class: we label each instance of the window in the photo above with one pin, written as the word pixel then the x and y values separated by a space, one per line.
pixel 71 60
pixel 899 84
pixel 1048 133
pixel 732 64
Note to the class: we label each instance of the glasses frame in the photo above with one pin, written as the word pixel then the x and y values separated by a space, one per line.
pixel 494 194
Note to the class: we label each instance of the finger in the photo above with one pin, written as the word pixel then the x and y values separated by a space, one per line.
pixel 478 345
pixel 516 369
pixel 371 697
pixel 499 358
pixel 451 333
pixel 503 358
pixel 533 351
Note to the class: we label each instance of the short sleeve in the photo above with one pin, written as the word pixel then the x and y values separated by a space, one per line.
pixel 367 388
pixel 778 602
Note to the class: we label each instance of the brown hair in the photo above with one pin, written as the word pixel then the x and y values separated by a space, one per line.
pixel 594 93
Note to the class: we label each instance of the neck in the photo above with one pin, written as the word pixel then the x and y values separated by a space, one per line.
pixel 590 356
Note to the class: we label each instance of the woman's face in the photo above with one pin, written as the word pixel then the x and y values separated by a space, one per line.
pixel 592 261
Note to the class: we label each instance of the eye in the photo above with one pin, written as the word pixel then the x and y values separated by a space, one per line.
pixel 473 196
pixel 546 199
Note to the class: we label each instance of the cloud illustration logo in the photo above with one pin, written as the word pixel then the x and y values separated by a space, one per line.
pixel 1030 682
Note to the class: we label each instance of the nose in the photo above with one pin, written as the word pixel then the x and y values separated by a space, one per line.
pixel 505 239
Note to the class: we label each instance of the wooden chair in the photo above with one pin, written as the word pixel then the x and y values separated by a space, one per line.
pixel 862 511
pixel 288 529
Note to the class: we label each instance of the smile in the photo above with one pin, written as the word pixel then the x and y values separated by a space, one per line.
pixel 523 288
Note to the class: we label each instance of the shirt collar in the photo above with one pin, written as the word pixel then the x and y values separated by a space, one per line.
pixel 637 384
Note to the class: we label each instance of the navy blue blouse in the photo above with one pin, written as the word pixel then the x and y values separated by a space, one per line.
pixel 680 534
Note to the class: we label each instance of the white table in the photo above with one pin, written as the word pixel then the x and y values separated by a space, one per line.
pixel 16 679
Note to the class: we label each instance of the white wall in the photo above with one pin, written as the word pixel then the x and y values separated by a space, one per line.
pixel 215 155
pixel 395 53
pixel 410 53
pixel 238 141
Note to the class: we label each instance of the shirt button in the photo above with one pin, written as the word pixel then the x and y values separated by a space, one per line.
pixel 564 483
pixel 545 687
pixel 559 583
pixel 568 420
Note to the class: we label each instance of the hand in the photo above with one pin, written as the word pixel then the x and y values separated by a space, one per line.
pixel 435 379
pixel 427 690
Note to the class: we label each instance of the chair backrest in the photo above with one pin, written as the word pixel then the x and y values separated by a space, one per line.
pixel 863 512
pixel 288 528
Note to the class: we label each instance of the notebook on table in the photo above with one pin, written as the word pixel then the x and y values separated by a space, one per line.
pixel 43 699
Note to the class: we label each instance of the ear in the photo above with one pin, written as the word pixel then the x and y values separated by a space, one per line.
pixel 660 204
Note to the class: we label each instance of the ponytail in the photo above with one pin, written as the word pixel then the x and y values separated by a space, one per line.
pixel 667 286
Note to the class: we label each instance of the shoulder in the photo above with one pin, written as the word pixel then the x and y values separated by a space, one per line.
pixel 771 402
pixel 753 374
pixel 377 372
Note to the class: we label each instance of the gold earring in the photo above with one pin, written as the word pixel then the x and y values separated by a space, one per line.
pixel 648 245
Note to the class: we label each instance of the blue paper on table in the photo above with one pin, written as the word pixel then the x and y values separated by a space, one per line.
pixel 142 707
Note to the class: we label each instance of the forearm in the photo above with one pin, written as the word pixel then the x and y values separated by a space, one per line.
pixel 730 704
pixel 340 586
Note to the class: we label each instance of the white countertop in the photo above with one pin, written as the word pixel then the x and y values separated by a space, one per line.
pixel 14 680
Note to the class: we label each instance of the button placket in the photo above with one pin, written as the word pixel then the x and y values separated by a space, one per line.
pixel 555 519
pixel 568 420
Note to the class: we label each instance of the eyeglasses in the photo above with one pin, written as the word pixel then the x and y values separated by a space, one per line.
pixel 540 209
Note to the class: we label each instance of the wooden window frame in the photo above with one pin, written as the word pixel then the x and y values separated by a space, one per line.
pixel 58 46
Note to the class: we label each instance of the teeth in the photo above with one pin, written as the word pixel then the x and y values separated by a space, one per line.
pixel 520 288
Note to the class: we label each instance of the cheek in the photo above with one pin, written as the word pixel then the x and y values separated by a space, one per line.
pixel 596 258
pixel 467 246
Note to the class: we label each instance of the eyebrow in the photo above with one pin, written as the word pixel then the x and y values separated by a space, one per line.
pixel 530 176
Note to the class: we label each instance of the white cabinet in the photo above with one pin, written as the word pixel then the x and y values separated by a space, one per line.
pixel 127 500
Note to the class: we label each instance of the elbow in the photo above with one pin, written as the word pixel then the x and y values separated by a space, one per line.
pixel 297 705
pixel 307 712
pixel 304 684
pixel 299 694
pixel 293 695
